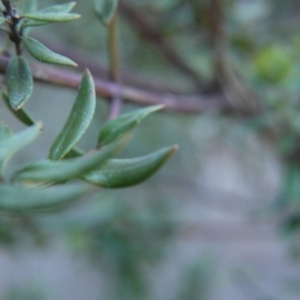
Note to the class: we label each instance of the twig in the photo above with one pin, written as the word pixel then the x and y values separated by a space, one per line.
pixel 113 49
pixel 218 38
pixel 149 32
pixel 192 104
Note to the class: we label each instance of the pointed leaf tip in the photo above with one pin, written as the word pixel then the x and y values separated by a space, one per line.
pixel 115 128
pixel 43 54
pixel 119 173
pixel 79 119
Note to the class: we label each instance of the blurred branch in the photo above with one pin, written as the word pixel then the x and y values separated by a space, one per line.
pixel 149 32
pixel 181 103
pixel 218 38
pixel 100 70
pixel 113 50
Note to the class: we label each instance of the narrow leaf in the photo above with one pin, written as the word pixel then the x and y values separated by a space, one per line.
pixel 58 171
pixel 113 129
pixel 20 114
pixel 61 8
pixel 19 82
pixel 5 133
pixel 105 10
pixel 26 6
pixel 78 121
pixel 43 54
pixel 22 200
pixel 51 17
pixel 117 173
pixel 9 145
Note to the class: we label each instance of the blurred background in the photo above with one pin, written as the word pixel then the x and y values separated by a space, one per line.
pixel 221 220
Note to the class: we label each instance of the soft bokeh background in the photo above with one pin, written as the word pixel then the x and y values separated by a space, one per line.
pixel 220 220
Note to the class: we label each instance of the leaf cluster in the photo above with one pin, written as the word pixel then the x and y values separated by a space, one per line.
pixel 47 184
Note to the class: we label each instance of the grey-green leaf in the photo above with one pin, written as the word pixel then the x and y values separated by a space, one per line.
pixel 19 82
pixel 24 200
pixel 26 6
pixel 43 54
pixel 113 129
pixel 78 120
pixel 51 17
pixel 105 10
pixel 118 173
pixel 57 171
pixel 20 114
pixel 5 133
pixel 60 8
pixel 11 144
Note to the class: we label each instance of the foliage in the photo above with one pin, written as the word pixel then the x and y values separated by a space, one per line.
pixel 238 59
pixel 28 189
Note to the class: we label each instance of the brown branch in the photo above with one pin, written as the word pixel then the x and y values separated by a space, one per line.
pixel 128 76
pixel 181 103
pixel 218 38
pixel 148 31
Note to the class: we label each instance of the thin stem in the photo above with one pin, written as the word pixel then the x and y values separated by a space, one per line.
pixel 113 49
pixel 12 19
pixel 218 38
pixel 150 32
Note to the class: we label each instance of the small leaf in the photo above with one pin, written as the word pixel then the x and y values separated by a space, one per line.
pixel 113 129
pixel 117 173
pixel 43 54
pixel 20 114
pixel 19 82
pixel 105 10
pixel 26 6
pixel 12 144
pixel 58 171
pixel 78 120
pixel 51 17
pixel 23 200
pixel 61 8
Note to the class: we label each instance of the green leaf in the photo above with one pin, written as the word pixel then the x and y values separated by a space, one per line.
pixel 9 145
pixel 51 17
pixel 43 54
pixel 62 8
pixel 20 114
pixel 23 200
pixel 117 173
pixel 113 129
pixel 75 152
pixel 26 6
pixel 19 82
pixel 58 171
pixel 105 10
pixel 78 120
pixel 5 133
